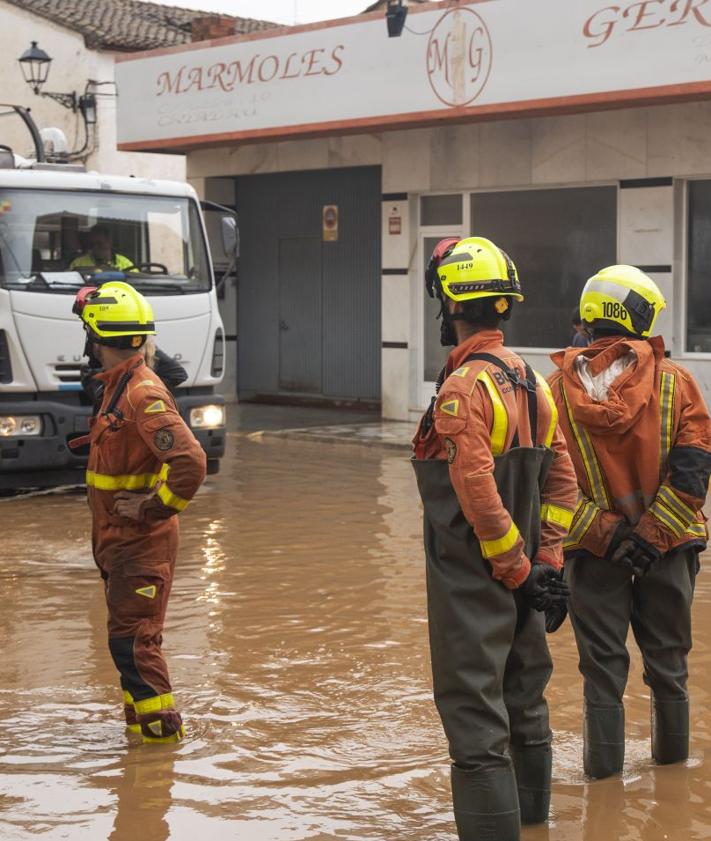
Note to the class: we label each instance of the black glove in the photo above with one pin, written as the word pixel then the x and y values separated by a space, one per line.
pixel 555 616
pixel 636 554
pixel 622 532
pixel 544 587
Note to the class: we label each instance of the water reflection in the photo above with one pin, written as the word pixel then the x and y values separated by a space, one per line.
pixel 297 643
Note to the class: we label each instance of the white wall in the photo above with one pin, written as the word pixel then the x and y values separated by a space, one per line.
pixel 595 148
pixel 72 65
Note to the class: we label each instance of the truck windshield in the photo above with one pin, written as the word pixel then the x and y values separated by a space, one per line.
pixel 54 241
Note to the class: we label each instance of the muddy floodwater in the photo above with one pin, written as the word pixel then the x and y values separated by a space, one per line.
pixel 297 641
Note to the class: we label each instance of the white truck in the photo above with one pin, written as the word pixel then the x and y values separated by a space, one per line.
pixel 47 212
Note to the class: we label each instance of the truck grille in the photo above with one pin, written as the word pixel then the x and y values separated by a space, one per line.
pixel 5 366
pixel 67 373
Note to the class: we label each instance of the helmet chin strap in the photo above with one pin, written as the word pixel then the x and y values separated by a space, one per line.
pixel 447 335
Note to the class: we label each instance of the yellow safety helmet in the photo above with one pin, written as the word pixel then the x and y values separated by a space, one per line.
pixel 621 297
pixel 115 314
pixel 477 268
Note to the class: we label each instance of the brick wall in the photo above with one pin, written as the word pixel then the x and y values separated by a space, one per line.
pixel 212 26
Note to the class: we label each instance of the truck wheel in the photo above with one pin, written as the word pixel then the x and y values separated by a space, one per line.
pixel 213 466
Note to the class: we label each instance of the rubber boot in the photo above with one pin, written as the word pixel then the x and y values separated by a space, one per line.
pixel 159 720
pixel 670 731
pixel 129 712
pixel 533 766
pixel 603 740
pixel 486 804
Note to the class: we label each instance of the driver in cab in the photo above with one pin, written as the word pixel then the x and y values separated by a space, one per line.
pixel 101 255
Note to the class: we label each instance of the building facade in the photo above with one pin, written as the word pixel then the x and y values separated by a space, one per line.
pixel 554 130
pixel 83 39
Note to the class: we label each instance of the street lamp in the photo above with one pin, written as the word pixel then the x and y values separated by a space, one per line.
pixel 35 63
pixel 35 66
pixel 395 15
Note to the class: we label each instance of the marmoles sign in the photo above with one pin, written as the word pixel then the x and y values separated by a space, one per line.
pixel 454 61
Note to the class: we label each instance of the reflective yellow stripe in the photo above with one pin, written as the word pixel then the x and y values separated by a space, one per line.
pixel 557 515
pixel 582 520
pixel 666 409
pixel 697 530
pixel 500 425
pixel 676 505
pixel 548 394
pixel 667 518
pixel 167 497
pixel 127 697
pixel 587 451
pixel 105 482
pixel 154 704
pixel 490 548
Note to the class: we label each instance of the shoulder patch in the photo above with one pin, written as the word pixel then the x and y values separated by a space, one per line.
pixel 450 407
pixel 461 372
pixel 164 440
pixel 144 382
pixel 155 408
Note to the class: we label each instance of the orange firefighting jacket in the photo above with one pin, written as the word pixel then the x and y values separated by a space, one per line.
pixel 143 445
pixel 476 416
pixel 643 455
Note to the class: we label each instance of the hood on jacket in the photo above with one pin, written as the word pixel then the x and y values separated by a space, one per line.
pixel 628 395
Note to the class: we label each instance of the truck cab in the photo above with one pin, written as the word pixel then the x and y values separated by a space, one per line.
pixel 50 218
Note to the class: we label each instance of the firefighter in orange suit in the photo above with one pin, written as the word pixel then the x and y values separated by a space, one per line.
pixel 144 467
pixel 640 438
pixel 498 490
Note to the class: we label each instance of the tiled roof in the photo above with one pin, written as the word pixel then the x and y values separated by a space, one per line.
pixel 127 24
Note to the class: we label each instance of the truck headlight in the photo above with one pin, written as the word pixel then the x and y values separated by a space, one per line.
pixel 207 417
pixel 20 426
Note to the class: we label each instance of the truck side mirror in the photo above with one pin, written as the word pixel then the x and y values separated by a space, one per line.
pixel 230 236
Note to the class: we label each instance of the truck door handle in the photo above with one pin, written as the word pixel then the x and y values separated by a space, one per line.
pixel 283 325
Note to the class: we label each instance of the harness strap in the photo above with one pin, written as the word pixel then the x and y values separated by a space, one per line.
pixel 116 396
pixel 515 379
pixel 428 419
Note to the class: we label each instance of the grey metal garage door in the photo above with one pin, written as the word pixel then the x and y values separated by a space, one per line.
pixel 309 309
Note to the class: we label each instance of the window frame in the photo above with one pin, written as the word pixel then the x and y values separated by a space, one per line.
pixel 426 389
pixel 680 269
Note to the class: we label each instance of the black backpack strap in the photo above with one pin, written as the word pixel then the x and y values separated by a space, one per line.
pixel 428 419
pixel 514 378
pixel 532 402
pixel 116 396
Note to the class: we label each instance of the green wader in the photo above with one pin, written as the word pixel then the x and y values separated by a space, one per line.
pixel 605 600
pixel 490 659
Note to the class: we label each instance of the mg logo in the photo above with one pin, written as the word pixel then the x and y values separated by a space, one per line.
pixel 459 56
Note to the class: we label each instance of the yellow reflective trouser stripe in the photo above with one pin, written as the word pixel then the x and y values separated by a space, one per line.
pixel 667 518
pixel 557 515
pixel 582 520
pixel 666 406
pixel 587 451
pixel 105 482
pixel 500 425
pixel 676 505
pixel 154 704
pixel 548 394
pixel 490 548
pixel 167 497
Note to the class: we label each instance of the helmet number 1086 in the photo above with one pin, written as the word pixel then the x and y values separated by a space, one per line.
pixel 614 309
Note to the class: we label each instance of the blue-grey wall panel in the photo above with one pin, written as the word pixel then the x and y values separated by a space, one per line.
pixel 281 214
